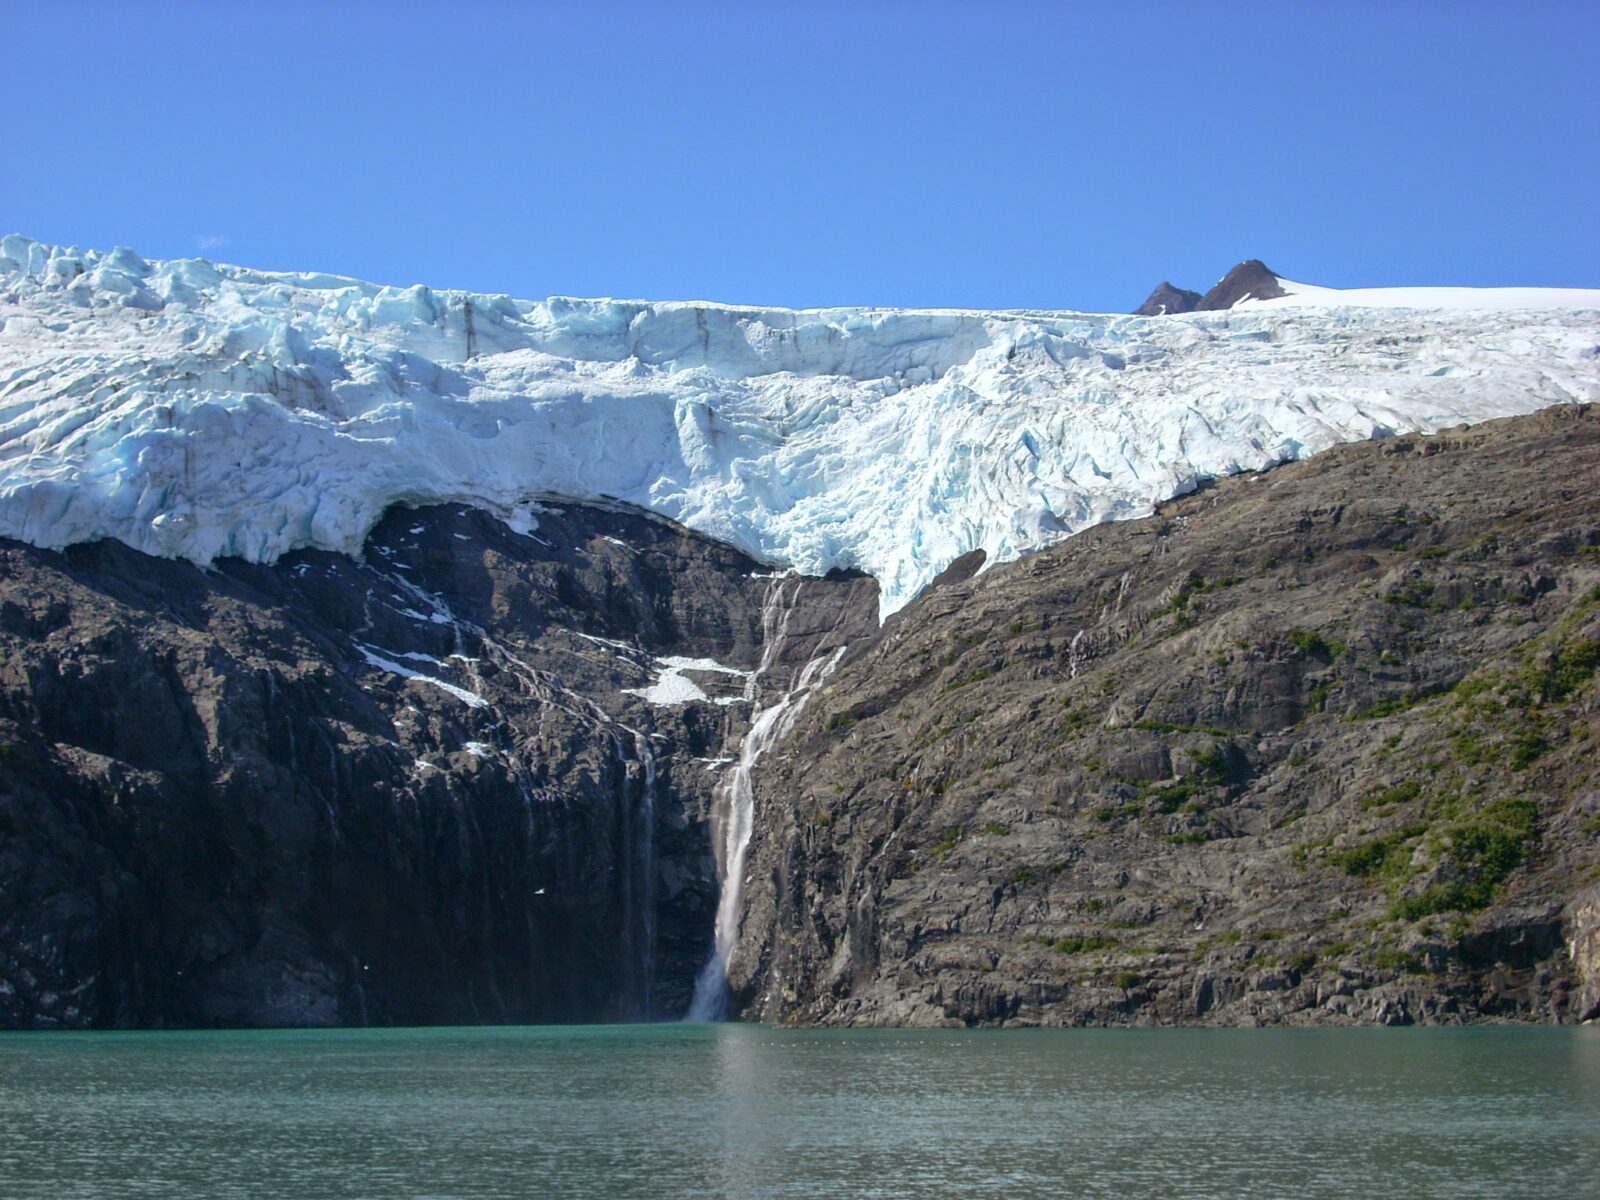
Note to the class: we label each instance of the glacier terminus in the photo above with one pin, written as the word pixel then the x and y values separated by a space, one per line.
pixel 193 410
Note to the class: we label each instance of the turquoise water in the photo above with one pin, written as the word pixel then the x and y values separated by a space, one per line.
pixel 745 1111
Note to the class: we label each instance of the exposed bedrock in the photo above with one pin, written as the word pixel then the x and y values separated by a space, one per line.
pixel 414 789
pixel 1314 746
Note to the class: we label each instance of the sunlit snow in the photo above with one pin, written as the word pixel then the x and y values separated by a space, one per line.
pixel 672 686
pixel 386 662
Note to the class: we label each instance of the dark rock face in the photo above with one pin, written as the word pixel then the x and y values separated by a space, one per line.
pixel 1315 746
pixel 410 790
pixel 1166 300
pixel 1250 280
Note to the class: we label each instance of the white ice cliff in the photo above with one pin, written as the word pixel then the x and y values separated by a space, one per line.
pixel 194 410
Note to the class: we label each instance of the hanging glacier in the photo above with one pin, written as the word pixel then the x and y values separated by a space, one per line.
pixel 194 410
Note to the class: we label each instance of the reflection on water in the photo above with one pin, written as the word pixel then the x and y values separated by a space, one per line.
pixel 743 1111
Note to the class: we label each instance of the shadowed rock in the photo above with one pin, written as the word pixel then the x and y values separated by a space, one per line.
pixel 1167 300
pixel 422 788
pixel 1250 280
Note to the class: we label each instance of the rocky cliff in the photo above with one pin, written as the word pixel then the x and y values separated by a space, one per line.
pixel 1314 745
pixel 1317 745
pixel 454 782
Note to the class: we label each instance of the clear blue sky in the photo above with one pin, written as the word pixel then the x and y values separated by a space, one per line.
pixel 922 153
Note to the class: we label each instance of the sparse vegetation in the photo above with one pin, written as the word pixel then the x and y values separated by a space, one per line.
pixel 966 680
pixel 1480 852
pixel 1391 706
pixel 1315 645
pixel 1564 672
pixel 1391 959
pixel 1086 944
pixel 1401 793
pixel 1301 961
pixel 1414 593
pixel 1172 727
pixel 1386 855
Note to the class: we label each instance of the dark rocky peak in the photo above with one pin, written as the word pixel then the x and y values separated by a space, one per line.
pixel 1166 300
pixel 1250 280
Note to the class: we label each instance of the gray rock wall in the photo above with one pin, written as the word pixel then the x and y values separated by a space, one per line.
pixel 1315 746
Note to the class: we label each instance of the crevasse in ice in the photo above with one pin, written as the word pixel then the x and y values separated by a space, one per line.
pixel 194 410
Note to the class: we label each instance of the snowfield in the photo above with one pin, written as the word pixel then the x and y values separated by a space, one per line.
pixel 193 410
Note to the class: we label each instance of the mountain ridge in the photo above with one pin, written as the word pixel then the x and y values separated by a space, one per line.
pixel 1251 279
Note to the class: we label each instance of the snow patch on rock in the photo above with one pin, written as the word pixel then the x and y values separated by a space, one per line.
pixel 672 686
pixel 385 661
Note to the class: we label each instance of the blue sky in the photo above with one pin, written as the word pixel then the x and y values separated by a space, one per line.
pixel 924 153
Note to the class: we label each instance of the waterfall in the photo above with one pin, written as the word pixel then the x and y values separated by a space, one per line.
pixel 735 795
pixel 636 875
pixel 645 816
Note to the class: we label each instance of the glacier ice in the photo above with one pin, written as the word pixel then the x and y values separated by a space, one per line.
pixel 196 410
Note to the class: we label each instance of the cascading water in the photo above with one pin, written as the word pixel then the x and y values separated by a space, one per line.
pixel 635 849
pixel 735 795
pixel 636 872
pixel 644 816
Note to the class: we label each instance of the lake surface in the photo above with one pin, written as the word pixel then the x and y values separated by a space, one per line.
pixel 746 1111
